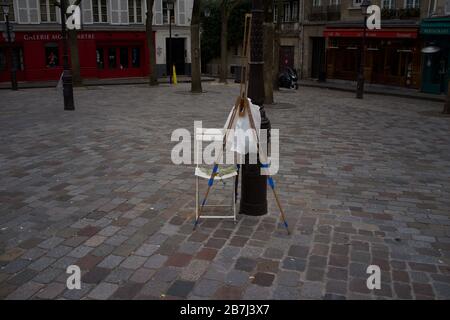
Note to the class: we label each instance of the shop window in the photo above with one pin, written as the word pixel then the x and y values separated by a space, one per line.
pixel 48 10
pixel 123 58
pixel 11 15
pixel 112 58
pixel 51 55
pixel 135 11
pixel 135 57
pixel 100 13
pixel 100 58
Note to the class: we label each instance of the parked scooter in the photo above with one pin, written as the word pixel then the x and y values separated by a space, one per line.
pixel 288 79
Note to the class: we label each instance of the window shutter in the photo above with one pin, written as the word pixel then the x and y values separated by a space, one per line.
pixel 157 12
pixel 86 8
pixel 22 7
pixel 189 6
pixel 115 19
pixel 33 11
pixel 181 12
pixel 123 11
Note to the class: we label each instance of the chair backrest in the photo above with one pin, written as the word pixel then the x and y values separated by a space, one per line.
pixel 208 135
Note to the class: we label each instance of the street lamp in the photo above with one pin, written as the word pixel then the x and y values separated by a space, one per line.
pixel 5 8
pixel 170 8
pixel 360 84
pixel 254 185
pixel 67 74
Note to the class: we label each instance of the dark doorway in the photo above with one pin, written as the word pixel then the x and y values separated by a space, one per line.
pixel 178 53
pixel 318 58
pixel 286 57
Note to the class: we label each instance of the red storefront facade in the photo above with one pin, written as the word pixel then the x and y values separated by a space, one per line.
pixel 101 54
pixel 392 54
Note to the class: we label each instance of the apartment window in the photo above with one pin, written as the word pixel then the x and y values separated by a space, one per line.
pixel 166 13
pixel 447 7
pixel 357 3
pixel 317 3
pixel 294 11
pixel 388 4
pixel 335 2
pixel 286 12
pixel 27 11
pixel 10 13
pixel 431 7
pixel 48 10
pixel 99 11
pixel 51 55
pixel 409 4
pixel 275 13
pixel 135 11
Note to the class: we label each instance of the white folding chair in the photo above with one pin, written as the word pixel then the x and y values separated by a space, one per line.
pixel 225 172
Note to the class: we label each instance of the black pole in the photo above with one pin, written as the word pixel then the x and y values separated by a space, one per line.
pixel 170 45
pixel 67 74
pixel 12 55
pixel 360 84
pixel 254 185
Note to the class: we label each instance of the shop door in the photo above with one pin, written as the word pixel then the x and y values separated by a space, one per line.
pixel 6 63
pixel 177 54
pixel 318 57
pixel 286 57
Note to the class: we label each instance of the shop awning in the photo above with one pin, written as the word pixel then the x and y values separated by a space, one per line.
pixel 435 26
pixel 357 33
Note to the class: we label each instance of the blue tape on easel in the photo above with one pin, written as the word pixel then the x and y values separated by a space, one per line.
pixel 271 183
pixel 264 165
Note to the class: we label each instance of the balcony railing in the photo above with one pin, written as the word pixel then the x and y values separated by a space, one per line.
pixel 325 13
pixel 405 13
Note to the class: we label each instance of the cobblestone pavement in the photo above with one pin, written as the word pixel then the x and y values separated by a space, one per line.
pixel 362 182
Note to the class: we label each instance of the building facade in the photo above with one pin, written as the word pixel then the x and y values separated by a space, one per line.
pixel 111 43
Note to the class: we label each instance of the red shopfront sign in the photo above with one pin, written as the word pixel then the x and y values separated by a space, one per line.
pixel 355 33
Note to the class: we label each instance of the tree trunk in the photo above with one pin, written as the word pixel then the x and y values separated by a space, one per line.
pixel 223 45
pixel 153 75
pixel 74 58
pixel 196 81
pixel 277 44
pixel 268 52
pixel 447 103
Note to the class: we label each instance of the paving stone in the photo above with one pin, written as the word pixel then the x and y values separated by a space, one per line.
pixel 297 264
pixel 111 261
pixel 245 264
pixel 155 261
pixel 119 275
pixel 286 293
pixel 26 291
pixel 228 293
pixel 80 251
pixel 78 294
pixel 181 288
pixel 95 241
pixel 194 270
pixel 128 291
pixel 206 287
pixel 142 275
pixel 133 262
pixel 312 290
pixel 95 275
pixel 103 291
pixel 51 291
pixel 263 279
pixel 288 278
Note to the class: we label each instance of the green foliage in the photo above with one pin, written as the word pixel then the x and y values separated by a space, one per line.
pixel 236 22
pixel 210 41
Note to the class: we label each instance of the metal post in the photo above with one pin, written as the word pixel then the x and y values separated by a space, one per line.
pixel 254 185
pixel 360 84
pixel 12 55
pixel 170 41
pixel 67 74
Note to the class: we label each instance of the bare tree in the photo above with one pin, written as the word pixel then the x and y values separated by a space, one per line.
pixel 196 81
pixel 153 75
pixel 268 51
pixel 226 6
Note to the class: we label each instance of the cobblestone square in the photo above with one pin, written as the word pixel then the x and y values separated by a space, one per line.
pixel 363 182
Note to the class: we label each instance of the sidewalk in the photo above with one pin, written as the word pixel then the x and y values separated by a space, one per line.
pixel 98 82
pixel 343 85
